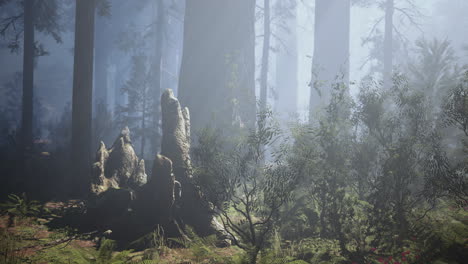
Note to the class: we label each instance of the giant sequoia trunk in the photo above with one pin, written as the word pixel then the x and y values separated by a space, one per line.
pixel 388 44
pixel 331 50
pixel 82 95
pixel 217 81
pixel 286 68
pixel 28 75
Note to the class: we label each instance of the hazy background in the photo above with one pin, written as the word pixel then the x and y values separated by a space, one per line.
pixel 442 19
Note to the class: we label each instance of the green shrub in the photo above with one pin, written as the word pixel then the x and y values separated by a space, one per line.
pixel 21 206
pixel 298 262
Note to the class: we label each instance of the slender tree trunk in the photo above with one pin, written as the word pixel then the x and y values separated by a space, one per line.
pixel 160 27
pixel 246 94
pixel 82 103
pixel 286 68
pixel 265 55
pixel 388 45
pixel 28 76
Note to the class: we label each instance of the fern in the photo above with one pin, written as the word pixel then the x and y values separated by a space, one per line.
pixel 21 206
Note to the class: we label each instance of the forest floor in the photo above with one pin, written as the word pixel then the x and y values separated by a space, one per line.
pixel 46 235
pixel 32 239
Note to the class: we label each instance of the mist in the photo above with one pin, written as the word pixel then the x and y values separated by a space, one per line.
pixel 234 131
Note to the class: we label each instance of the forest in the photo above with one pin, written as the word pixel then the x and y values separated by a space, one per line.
pixel 234 131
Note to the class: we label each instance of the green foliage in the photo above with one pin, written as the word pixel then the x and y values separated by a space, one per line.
pixel 446 167
pixel 47 21
pixel 316 250
pixel 363 167
pixel 105 251
pixel 155 242
pixel 8 246
pixel 441 235
pixel 247 191
pixel 297 262
pixel 435 70
pixel 272 258
pixel 21 206
pixel 456 106
pixel 105 254
pixel 200 247
pixel 368 165
pixel 209 159
pixel 145 262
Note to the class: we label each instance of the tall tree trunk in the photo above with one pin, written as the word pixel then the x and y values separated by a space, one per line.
pixel 330 62
pixel 82 103
pixel 160 27
pixel 28 76
pixel 388 45
pixel 265 55
pixel 286 68
pixel 253 255
pixel 217 76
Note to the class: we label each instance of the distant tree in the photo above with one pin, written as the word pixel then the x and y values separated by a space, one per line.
pixel 137 113
pixel 109 27
pixel 286 57
pixel 20 21
pixel 386 44
pixel 145 41
pixel 452 23
pixel 435 69
pixel 82 103
pixel 11 104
